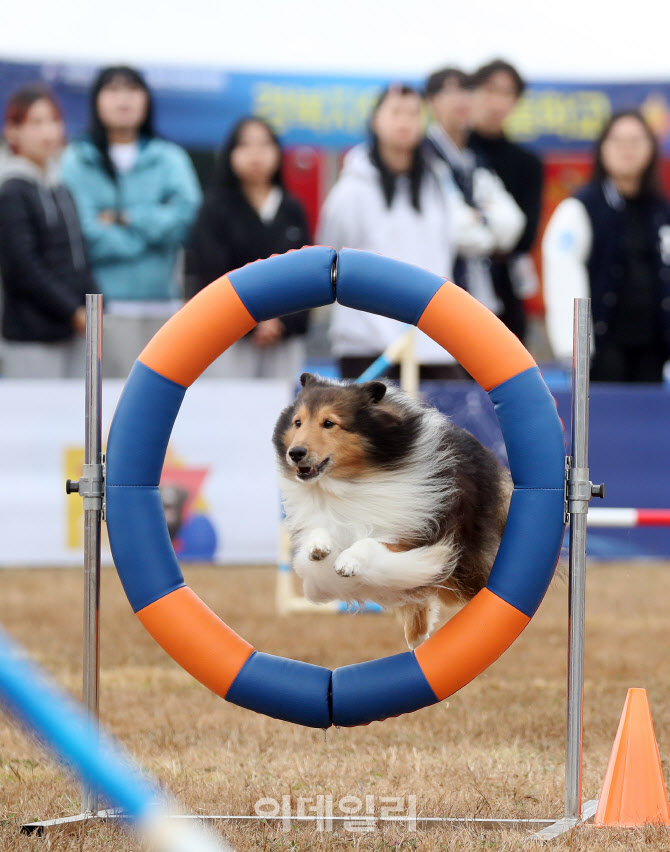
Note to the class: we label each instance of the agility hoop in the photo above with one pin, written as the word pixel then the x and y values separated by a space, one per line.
pixel 190 632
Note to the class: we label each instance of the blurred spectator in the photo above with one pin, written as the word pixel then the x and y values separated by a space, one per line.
pixel 390 200
pixel 611 242
pixel 489 220
pixel 45 274
pixel 248 215
pixel 497 89
pixel 137 197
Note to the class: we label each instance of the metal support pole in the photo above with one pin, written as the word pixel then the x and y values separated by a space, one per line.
pixel 91 488
pixel 578 493
pixel 92 522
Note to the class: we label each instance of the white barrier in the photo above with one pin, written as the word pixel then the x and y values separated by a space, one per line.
pixel 221 448
pixel 613 518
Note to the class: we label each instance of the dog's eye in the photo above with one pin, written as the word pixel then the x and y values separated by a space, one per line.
pixel 328 424
pixel 297 423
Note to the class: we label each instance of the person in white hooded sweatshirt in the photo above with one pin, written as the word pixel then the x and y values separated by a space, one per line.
pixel 390 200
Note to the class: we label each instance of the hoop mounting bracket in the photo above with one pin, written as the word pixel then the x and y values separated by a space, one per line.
pixel 91 486
pixel 579 490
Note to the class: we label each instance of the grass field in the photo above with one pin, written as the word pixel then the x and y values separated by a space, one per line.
pixel 494 749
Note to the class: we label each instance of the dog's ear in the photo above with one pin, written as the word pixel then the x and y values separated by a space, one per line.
pixel 375 391
pixel 308 379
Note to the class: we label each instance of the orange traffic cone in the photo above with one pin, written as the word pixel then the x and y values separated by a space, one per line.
pixel 634 791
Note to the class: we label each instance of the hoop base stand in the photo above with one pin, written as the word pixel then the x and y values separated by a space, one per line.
pixel 323 822
pixel 40 827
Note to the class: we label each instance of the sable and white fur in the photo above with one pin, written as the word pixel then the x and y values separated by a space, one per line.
pixel 387 500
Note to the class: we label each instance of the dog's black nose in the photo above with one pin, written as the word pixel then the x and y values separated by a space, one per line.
pixel 296 454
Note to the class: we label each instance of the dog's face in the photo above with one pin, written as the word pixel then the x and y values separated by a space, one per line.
pixel 318 435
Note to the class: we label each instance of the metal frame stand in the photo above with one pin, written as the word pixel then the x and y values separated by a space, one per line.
pixel 91 488
pixel 578 492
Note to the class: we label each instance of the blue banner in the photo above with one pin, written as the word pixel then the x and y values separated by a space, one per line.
pixel 629 450
pixel 196 107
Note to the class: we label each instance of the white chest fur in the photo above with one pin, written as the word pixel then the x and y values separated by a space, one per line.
pixel 385 507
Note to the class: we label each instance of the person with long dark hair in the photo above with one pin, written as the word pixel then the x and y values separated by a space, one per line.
pixel 248 215
pixel 611 242
pixel 389 199
pixel 43 265
pixel 137 196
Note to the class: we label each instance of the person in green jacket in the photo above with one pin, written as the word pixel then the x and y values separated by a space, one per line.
pixel 137 196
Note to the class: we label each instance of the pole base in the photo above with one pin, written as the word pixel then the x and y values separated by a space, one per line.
pixel 40 827
pixel 561 826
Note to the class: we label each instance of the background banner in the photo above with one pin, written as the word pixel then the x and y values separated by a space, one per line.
pixel 219 469
pixel 220 465
pixel 629 450
pixel 196 107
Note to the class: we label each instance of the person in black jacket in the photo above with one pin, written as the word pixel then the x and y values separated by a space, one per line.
pixel 610 242
pixel 489 222
pixel 497 88
pixel 247 216
pixel 45 273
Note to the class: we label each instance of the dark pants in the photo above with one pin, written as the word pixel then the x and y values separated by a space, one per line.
pixel 615 363
pixel 513 314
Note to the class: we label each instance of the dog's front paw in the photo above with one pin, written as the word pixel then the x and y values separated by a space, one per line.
pixel 355 559
pixel 318 545
pixel 316 553
pixel 347 565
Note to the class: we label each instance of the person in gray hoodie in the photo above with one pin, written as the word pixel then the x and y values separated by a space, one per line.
pixel 43 264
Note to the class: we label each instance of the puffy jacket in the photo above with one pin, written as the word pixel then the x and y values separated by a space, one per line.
pixel 45 273
pixel 355 215
pixel 230 233
pixel 158 197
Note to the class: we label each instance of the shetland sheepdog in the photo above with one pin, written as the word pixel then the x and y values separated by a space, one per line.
pixel 387 500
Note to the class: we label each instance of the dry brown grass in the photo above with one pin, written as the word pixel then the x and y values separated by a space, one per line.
pixel 494 749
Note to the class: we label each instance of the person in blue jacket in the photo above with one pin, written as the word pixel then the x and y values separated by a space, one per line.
pixel 137 196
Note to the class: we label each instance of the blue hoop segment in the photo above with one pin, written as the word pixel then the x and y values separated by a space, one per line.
pixel 190 632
